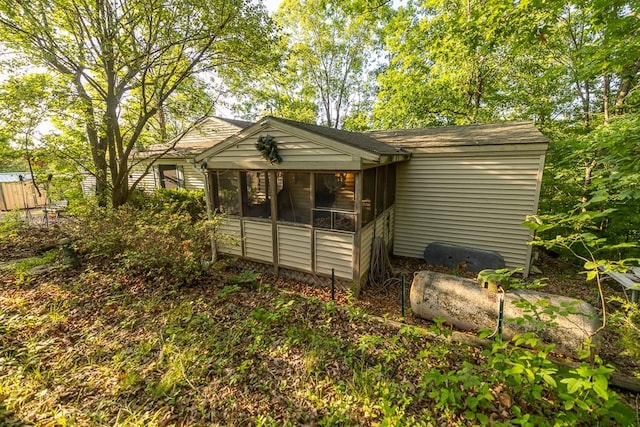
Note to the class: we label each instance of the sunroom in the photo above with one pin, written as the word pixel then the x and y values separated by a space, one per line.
pixel 304 198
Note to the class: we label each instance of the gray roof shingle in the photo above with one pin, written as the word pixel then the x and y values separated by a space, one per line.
pixel 358 140
pixel 466 135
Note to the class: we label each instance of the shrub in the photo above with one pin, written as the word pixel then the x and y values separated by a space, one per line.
pixel 11 224
pixel 157 243
pixel 180 201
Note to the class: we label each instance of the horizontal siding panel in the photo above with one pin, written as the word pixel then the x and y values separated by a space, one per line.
pixel 366 239
pixel 290 148
pixel 462 195
pixel 334 250
pixel 231 228
pixel 258 241
pixel 294 247
pixel 475 201
pixel 193 179
pixel 488 215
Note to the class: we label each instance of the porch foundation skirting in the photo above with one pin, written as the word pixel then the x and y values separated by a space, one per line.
pixel 294 275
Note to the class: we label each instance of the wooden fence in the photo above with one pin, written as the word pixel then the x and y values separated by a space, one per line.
pixel 20 195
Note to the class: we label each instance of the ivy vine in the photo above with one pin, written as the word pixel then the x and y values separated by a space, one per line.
pixel 269 149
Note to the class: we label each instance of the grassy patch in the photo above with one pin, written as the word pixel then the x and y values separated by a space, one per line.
pixel 101 347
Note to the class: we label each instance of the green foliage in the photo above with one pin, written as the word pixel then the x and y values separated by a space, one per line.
pixel 168 245
pixel 246 277
pixel 178 201
pixel 11 223
pixel 155 50
pixel 268 147
pixel 627 323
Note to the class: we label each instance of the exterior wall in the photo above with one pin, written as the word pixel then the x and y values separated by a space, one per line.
pixel 294 247
pixel 471 199
pixel 258 240
pixel 212 130
pixel 193 179
pixel 334 250
pixel 232 229
pixel 292 149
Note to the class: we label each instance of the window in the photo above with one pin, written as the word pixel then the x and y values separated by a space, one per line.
pixel 226 192
pixel 256 200
pixel 294 197
pixel 334 194
pixel 171 176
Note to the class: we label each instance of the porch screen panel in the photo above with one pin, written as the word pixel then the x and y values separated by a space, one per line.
pixel 228 192
pixel 294 197
pixel 256 199
pixel 334 201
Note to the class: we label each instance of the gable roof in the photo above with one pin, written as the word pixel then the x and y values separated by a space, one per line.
pixel 206 133
pixel 362 141
pixel 464 135
pixel 360 145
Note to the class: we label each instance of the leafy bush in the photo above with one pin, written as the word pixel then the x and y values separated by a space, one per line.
pixel 158 243
pixel 11 224
pixel 180 201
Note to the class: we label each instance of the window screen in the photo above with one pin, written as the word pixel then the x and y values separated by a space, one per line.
pixel 256 200
pixel 294 197
pixel 228 192
pixel 368 195
pixel 390 197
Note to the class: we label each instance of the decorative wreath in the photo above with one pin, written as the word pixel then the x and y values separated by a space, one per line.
pixel 269 149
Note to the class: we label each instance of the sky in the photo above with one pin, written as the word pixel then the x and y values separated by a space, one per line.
pixel 272 5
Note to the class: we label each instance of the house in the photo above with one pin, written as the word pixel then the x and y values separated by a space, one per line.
pixel 468 185
pixel 173 166
pixel 18 191
pixel 308 200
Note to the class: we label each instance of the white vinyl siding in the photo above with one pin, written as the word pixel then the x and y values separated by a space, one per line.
pixel 209 133
pixel 366 239
pixel 231 232
pixel 193 179
pixel 147 183
pixel 334 250
pixel 291 148
pixel 294 247
pixel 258 240
pixel 474 200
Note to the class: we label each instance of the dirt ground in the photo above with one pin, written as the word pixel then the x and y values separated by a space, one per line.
pixel 562 278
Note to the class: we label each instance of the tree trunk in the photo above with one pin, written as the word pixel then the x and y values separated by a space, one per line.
pixel 606 90
pixel 162 123
pixel 587 181
pixel 120 193
pixel 626 83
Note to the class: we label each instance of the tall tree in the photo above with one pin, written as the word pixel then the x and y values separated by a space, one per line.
pixel 277 91
pixel 25 103
pixel 329 50
pixel 467 61
pixel 127 57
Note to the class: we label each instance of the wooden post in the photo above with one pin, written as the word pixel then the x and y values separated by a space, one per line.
pixel 357 238
pixel 273 189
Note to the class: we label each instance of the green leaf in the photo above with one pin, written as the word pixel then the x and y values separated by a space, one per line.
pixel 573 384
